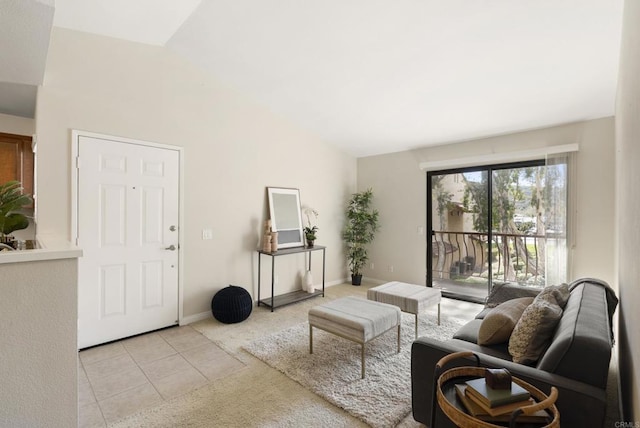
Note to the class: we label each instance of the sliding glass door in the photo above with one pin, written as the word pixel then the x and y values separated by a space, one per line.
pixel 496 224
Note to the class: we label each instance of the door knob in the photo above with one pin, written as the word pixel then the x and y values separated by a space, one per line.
pixel 171 248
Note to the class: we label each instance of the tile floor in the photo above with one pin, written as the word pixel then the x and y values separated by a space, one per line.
pixel 120 378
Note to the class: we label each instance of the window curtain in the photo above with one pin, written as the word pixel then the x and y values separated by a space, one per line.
pixel 559 216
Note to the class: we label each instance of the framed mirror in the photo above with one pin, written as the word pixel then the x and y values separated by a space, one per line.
pixel 286 218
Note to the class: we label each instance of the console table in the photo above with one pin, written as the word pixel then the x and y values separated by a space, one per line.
pixel 295 296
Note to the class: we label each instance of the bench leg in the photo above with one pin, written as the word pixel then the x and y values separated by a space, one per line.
pixel 417 326
pixel 362 358
pixel 438 313
pixel 310 339
pixel 398 338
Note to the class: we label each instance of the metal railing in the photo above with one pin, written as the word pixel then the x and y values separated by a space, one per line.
pixel 514 257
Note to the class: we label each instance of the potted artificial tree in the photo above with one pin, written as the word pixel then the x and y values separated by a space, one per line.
pixel 360 229
pixel 11 201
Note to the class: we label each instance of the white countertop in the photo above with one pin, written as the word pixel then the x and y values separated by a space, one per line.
pixel 51 248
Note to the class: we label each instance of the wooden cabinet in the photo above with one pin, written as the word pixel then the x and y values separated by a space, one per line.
pixel 16 160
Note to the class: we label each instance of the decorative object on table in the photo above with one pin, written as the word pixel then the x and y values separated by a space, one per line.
pixel 308 282
pixel 286 217
pixel 478 388
pixel 266 237
pixel 498 378
pixel 478 412
pixel 360 229
pixel 309 230
pixel 12 200
pixel 310 235
pixel 446 381
pixel 231 305
pixel 274 242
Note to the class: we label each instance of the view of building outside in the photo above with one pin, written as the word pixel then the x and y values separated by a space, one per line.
pixel 526 240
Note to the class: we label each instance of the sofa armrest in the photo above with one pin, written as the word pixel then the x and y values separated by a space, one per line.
pixel 579 404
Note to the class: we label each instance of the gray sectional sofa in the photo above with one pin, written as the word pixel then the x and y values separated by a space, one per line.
pixel 576 360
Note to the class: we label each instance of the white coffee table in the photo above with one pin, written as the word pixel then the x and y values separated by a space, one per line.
pixel 411 298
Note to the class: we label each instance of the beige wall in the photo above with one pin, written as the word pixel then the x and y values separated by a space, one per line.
pixel 400 195
pixel 233 149
pixel 38 337
pixel 17 125
pixel 628 209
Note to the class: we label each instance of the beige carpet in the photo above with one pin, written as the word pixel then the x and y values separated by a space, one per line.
pixel 383 398
pixel 258 395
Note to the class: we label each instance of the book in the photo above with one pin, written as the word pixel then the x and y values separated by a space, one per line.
pixel 496 397
pixel 502 409
pixel 479 413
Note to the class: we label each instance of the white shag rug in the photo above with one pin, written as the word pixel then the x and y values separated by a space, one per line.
pixel 383 397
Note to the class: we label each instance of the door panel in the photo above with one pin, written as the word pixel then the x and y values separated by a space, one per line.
pixel 127 205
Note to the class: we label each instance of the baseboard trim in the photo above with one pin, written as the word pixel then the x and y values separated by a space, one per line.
pixel 205 315
pixel 194 318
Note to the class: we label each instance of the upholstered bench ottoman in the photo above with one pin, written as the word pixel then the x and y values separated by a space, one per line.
pixel 409 298
pixel 355 319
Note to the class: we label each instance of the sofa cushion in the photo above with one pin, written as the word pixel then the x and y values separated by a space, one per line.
pixel 498 324
pixel 503 292
pixel 469 331
pixel 556 294
pixel 532 334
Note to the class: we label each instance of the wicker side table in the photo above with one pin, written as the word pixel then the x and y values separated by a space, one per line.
pixel 446 399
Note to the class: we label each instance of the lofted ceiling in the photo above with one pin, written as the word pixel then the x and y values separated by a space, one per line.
pixel 373 76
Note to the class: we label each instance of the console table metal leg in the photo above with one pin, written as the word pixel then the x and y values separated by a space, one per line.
pixel 323 268
pixel 259 257
pixel 273 267
pixel 362 363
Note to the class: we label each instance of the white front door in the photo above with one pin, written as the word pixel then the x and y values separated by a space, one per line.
pixel 127 226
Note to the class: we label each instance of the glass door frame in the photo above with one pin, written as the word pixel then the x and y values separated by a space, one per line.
pixel 429 210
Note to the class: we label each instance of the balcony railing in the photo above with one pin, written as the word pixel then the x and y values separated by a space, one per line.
pixel 461 256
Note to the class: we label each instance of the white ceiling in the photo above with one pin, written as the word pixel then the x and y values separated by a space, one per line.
pixel 25 27
pixel 375 76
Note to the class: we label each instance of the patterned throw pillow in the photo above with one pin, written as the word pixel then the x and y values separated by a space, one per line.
pixel 498 324
pixel 556 294
pixel 534 330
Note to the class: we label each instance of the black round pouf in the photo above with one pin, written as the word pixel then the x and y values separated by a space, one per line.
pixel 232 304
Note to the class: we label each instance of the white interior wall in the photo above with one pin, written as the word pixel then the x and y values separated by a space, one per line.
pixel 628 207
pixel 38 302
pixel 233 149
pixel 400 196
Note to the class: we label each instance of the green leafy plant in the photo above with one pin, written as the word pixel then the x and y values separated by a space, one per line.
pixel 12 200
pixel 310 233
pixel 360 229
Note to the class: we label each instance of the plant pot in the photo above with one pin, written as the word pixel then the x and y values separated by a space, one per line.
pixel 310 243
pixel 356 279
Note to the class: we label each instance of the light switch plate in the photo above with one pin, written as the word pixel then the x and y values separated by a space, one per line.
pixel 207 234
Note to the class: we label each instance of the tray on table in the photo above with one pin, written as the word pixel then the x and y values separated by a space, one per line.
pixel 447 400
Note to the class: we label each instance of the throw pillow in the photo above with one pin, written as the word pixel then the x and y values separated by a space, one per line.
pixel 498 324
pixel 534 330
pixel 556 294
